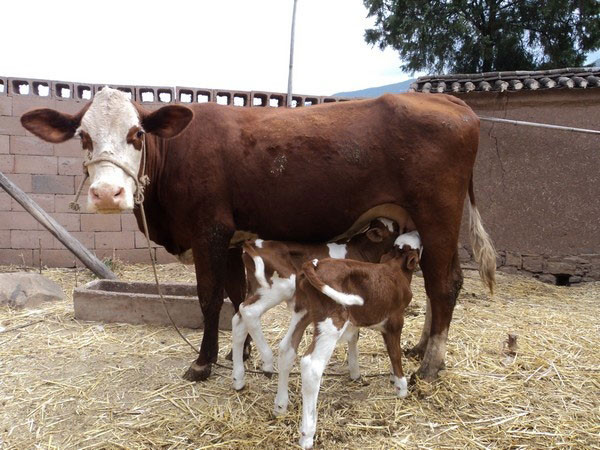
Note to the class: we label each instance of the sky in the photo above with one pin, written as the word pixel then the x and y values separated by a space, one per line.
pixel 224 44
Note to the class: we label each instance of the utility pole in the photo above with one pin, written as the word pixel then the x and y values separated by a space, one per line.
pixel 289 91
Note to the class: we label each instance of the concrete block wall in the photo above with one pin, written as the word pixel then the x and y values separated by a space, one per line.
pixel 50 173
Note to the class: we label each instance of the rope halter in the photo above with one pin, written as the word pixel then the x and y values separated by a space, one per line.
pixel 140 184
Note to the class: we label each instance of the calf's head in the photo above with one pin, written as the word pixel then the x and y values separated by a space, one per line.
pixel 407 251
pixel 376 240
pixel 110 126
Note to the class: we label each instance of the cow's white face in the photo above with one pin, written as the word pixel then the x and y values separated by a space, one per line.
pixel 111 126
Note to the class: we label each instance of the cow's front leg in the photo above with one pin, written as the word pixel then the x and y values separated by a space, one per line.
pixel 419 350
pixel 210 257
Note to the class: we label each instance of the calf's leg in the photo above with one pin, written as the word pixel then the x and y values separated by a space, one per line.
pixel 235 286
pixel 351 336
pixel 391 337
pixel 288 348
pixel 239 332
pixel 312 366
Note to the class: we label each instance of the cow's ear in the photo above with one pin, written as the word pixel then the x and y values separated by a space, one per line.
pixel 375 235
pixel 51 125
pixel 168 121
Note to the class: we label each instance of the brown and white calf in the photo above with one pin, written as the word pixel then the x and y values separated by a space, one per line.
pixel 338 297
pixel 272 267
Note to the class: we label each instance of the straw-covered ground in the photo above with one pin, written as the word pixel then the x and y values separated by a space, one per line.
pixel 71 384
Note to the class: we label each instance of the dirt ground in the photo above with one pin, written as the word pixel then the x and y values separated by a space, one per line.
pixel 71 384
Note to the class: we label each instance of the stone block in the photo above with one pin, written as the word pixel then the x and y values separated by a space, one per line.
pixel 114 239
pixel 28 145
pixel 53 184
pixel 16 220
pixel 533 264
pixel 22 180
pixel 100 222
pixel 560 267
pixel 12 126
pixel 7 163
pixel 4 145
pixel 44 201
pixel 31 239
pixel 5 105
pixel 513 259
pixel 70 166
pixel 5 201
pixel 138 303
pixel 11 256
pixel 56 258
pixel 129 222
pixel 70 221
pixel 71 148
pixel 4 238
pixel 164 257
pixel 36 164
pixel 20 290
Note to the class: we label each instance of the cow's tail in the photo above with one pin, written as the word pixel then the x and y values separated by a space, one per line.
pixel 483 248
pixel 337 296
pixel 259 265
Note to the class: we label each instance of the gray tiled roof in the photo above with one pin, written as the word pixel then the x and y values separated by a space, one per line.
pixel 571 77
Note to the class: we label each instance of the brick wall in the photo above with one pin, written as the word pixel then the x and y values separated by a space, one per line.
pixel 50 173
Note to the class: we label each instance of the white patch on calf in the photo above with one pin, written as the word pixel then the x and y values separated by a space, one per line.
pixel 412 239
pixel 258 243
pixel 108 120
pixel 389 224
pixel 342 298
pixel 337 251
pixel 259 272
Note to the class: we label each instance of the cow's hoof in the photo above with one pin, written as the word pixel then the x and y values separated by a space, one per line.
pixel 197 372
pixel 415 352
pixel 427 374
pixel 268 374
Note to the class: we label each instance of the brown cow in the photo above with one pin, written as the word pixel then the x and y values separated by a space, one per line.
pixel 305 174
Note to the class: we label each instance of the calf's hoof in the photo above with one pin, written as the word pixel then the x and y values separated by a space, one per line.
pixel 280 409
pixel 305 441
pixel 197 372
pixel 428 374
pixel 239 384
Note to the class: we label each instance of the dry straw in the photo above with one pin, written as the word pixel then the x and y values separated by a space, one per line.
pixel 70 384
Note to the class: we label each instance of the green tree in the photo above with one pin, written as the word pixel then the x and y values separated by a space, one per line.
pixel 466 36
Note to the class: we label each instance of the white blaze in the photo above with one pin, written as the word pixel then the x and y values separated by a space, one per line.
pixel 337 251
pixel 107 121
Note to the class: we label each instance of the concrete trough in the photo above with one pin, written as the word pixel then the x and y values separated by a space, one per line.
pixel 139 303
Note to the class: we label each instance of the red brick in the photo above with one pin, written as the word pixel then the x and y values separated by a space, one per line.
pixel 71 148
pixel 70 166
pixel 114 239
pixel 164 257
pixel 36 164
pixel 22 180
pixel 55 258
pixel 53 184
pixel 4 238
pixel 100 222
pixel 70 221
pixel 45 201
pixel 61 203
pixel 31 239
pixel 26 145
pixel 5 202
pixel 141 242
pixel 7 163
pixel 5 105
pixel 12 126
pixel 14 220
pixel 4 144
pixel 128 222
pixel 16 257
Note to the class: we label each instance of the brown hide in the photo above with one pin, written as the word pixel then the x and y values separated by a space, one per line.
pixel 307 174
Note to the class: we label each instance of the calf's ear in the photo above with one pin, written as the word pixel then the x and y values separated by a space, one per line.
pixel 375 235
pixel 168 121
pixel 51 125
pixel 412 259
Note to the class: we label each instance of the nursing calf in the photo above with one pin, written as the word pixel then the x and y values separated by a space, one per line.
pixel 272 267
pixel 338 297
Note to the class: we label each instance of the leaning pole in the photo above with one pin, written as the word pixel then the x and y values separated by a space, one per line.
pixel 76 247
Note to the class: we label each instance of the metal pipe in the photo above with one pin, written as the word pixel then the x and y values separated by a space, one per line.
pixel 539 125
